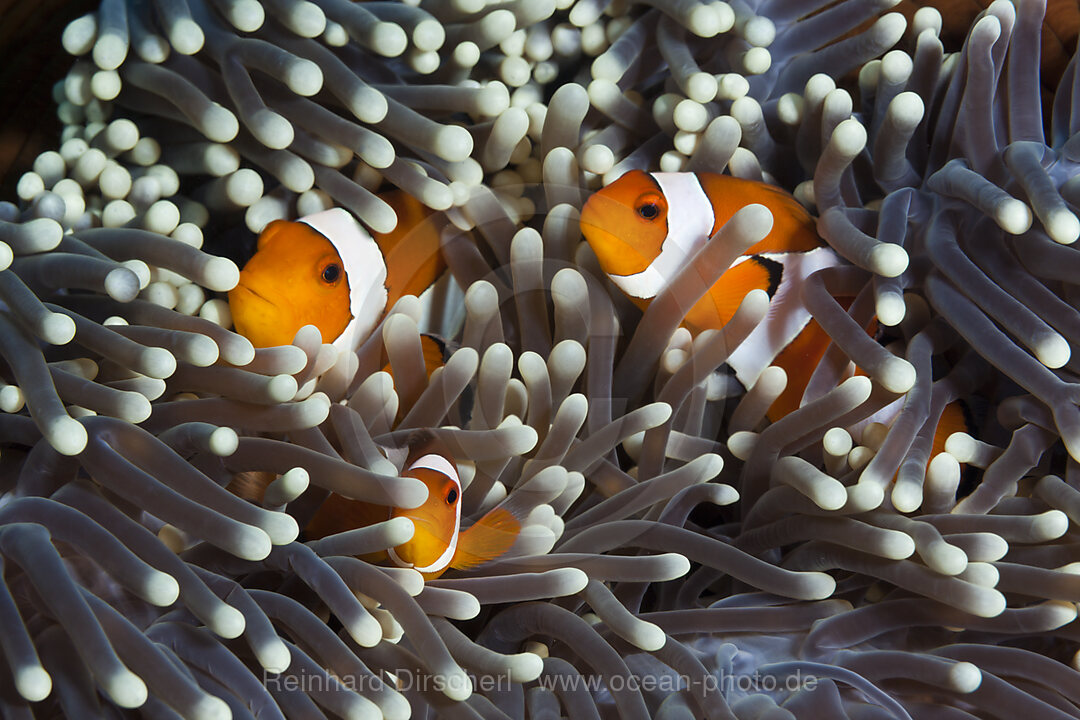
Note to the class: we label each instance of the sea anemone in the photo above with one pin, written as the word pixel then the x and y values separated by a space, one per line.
pixel 680 556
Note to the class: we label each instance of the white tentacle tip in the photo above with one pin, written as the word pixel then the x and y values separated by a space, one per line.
pixel 33 683
pixel 890 309
pixel 223 442
pixel 849 137
pixel 251 543
pixel 525 667
pixel 1052 350
pixel 126 689
pixel 817 586
pixel 741 444
pixel 865 496
pixel 965 677
pixel 907 109
pixel 888 260
pixel 274 656
pixel 1063 227
pixel 67 436
pixel 754 220
pixel 209 707
pixel 58 329
pixel 186 36
pixel 221 274
pixel 227 622
pixel 897 375
pixel 389 39
pixel 458 686
pixel 1013 216
pixel 161 589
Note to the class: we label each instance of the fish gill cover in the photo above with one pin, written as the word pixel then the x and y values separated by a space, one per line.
pixel 679 555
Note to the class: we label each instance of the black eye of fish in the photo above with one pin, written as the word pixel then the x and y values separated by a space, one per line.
pixel 451 496
pixel 649 211
pixel 331 273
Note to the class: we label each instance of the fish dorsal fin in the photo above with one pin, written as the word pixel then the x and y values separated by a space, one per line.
pixel 793 228
pixel 411 250
pixel 487 539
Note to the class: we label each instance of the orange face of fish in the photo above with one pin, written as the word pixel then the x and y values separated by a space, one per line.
pixel 436 523
pixel 294 279
pixel 626 223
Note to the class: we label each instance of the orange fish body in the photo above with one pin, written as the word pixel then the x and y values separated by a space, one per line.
pixel 438 542
pixel 326 270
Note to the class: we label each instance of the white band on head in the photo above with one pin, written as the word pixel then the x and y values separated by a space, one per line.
pixel 438 463
pixel 365 271
pixel 690 219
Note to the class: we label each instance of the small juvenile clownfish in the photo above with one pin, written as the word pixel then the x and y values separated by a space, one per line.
pixel 645 227
pixel 438 542
pixel 326 270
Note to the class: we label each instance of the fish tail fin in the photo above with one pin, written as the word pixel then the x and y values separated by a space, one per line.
pixel 487 539
pixel 251 485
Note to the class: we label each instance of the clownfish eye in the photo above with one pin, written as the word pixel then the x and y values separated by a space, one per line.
pixel 649 211
pixel 331 273
pixel 650 206
pixel 451 497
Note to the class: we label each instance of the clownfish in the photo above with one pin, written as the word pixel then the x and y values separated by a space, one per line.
pixel 326 270
pixel 438 542
pixel 645 227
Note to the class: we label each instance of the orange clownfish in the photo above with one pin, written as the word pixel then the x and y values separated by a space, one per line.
pixel 438 542
pixel 326 270
pixel 645 227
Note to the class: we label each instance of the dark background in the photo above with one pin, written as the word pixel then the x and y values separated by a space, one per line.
pixel 31 60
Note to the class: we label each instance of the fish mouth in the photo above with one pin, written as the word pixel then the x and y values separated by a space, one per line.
pixel 253 291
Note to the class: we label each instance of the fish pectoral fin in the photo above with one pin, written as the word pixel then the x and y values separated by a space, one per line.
pixel 487 539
